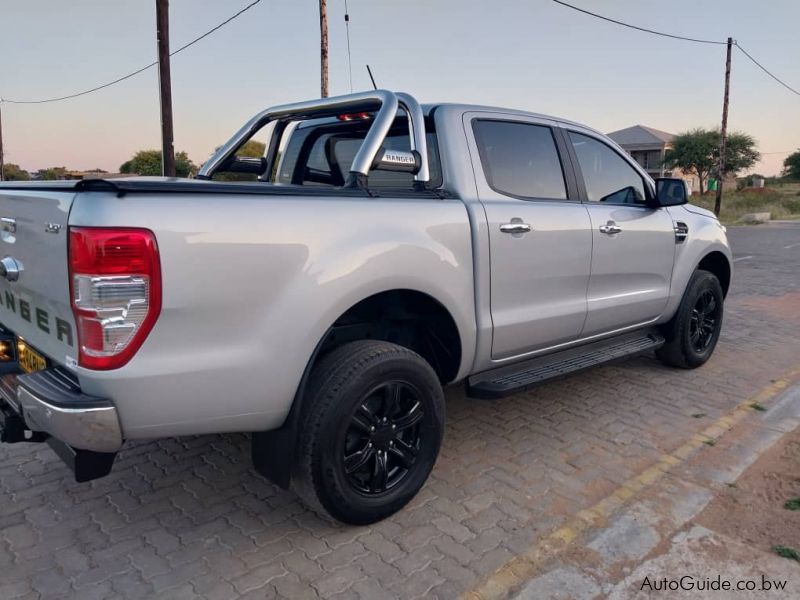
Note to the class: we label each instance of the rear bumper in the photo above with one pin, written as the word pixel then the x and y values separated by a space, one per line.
pixel 51 402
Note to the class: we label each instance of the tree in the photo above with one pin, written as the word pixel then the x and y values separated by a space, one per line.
pixel 148 162
pixel 12 172
pixel 791 166
pixel 697 151
pixel 740 152
pixel 693 152
pixel 250 149
pixel 53 173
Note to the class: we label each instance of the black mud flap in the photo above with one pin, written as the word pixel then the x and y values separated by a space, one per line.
pixel 273 451
pixel 86 465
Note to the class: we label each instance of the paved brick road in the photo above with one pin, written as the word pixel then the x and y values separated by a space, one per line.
pixel 189 518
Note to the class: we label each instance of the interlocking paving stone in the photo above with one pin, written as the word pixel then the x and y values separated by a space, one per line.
pixel 190 518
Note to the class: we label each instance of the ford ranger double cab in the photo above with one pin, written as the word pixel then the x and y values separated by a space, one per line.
pixel 320 295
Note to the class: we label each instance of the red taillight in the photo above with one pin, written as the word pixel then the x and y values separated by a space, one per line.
pixel 115 282
pixel 354 116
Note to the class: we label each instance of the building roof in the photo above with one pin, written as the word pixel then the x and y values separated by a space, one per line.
pixel 639 135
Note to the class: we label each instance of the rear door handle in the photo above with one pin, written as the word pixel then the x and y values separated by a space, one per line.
pixel 610 228
pixel 8 224
pixel 516 226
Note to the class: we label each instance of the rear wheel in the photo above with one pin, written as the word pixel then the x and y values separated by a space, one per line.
pixel 372 427
pixel 693 332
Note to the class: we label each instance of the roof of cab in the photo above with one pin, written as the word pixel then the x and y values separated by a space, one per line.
pixel 462 108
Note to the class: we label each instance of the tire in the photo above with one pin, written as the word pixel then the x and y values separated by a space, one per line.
pixel 693 332
pixel 372 425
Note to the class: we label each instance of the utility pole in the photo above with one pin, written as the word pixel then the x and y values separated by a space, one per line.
pixel 323 46
pixel 165 84
pixel 2 165
pixel 723 131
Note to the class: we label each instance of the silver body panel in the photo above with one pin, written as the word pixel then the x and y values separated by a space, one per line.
pixel 252 282
pixel 631 270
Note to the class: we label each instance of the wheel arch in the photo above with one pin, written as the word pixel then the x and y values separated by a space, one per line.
pixel 404 316
pixel 717 263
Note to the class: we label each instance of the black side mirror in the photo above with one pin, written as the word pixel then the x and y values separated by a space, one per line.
pixel 244 164
pixel 670 191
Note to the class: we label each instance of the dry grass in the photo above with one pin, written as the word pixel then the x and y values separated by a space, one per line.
pixel 782 201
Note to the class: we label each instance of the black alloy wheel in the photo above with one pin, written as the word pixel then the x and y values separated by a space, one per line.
pixel 384 438
pixel 703 321
pixel 372 425
pixel 693 332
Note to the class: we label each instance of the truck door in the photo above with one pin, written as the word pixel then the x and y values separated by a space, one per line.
pixel 540 240
pixel 633 244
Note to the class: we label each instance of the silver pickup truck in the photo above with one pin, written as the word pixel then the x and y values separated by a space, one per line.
pixel 322 294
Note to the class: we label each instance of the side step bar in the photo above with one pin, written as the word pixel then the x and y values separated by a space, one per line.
pixel 505 381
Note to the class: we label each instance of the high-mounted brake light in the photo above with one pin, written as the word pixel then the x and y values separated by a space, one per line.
pixel 115 282
pixel 354 116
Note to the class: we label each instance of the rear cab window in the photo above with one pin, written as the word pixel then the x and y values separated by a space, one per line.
pixel 319 153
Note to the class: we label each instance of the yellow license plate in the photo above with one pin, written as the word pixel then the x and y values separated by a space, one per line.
pixel 29 359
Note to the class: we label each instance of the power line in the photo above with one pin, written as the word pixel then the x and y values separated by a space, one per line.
pixel 680 37
pixel 137 71
pixel 763 68
pixel 653 31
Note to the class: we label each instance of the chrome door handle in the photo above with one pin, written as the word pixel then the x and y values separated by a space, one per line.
pixel 10 268
pixel 8 224
pixel 516 226
pixel 610 228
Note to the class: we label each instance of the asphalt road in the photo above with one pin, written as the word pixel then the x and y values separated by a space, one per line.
pixel 766 257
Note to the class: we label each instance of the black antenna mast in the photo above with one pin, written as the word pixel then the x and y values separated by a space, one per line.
pixel 349 61
pixel 374 87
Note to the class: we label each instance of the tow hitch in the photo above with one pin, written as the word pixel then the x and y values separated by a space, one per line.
pixel 13 430
pixel 86 465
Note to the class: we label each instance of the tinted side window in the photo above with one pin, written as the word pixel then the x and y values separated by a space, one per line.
pixel 520 159
pixel 608 177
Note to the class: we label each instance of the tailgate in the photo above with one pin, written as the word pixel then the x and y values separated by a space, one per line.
pixel 33 232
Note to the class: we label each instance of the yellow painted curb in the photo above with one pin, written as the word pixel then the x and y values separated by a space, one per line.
pixel 522 567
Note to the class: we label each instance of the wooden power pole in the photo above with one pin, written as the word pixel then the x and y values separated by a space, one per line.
pixel 165 84
pixel 723 131
pixel 2 164
pixel 323 46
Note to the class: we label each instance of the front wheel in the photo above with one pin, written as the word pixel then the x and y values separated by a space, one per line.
pixel 371 430
pixel 693 332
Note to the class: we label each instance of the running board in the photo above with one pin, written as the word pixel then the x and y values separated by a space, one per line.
pixel 505 381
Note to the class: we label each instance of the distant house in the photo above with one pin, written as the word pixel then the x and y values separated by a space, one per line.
pixel 647 146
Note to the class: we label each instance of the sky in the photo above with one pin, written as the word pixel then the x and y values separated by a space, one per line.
pixel 528 54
